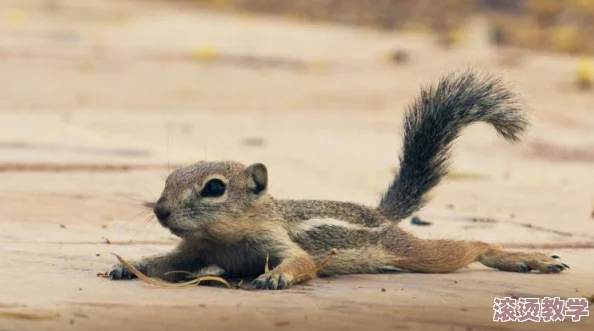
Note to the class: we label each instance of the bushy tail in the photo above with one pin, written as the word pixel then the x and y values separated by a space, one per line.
pixel 434 121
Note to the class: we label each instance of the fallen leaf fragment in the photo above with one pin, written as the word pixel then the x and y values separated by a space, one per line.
pixel 317 268
pixel 162 283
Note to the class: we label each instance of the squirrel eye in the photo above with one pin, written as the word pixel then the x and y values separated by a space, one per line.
pixel 213 188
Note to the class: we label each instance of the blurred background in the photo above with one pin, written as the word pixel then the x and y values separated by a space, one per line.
pixel 123 91
pixel 130 89
pixel 130 54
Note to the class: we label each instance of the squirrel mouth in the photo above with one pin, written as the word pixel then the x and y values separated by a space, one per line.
pixel 180 233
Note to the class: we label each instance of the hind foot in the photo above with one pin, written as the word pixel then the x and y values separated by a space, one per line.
pixel 523 262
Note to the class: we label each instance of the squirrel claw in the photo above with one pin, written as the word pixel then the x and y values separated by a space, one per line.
pixel 120 272
pixel 544 264
pixel 272 281
pixel 522 267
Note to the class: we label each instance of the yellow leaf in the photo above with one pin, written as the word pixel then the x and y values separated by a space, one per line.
pixel 584 71
pixel 205 53
pixel 317 66
pixel 565 38
pixel 86 65
pixel 14 16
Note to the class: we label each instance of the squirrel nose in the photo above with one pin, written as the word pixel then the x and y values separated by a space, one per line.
pixel 161 212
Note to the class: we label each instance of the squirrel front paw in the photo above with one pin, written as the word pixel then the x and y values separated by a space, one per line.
pixel 273 281
pixel 120 272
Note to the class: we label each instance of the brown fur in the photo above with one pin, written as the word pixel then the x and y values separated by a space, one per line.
pixel 226 217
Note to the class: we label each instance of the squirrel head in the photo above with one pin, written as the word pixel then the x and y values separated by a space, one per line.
pixel 208 193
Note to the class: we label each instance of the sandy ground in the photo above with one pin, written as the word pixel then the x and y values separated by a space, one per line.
pixel 101 99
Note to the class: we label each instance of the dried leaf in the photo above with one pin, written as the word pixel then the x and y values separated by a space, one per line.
pixel 162 283
pixel 213 278
pixel 324 263
pixel 317 268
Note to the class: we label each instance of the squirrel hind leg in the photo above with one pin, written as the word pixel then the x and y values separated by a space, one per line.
pixel 431 255
pixel 423 256
pixel 441 256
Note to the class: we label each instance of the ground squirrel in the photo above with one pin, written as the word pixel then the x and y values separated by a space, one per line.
pixel 226 218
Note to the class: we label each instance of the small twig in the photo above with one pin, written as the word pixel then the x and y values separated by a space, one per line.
pixel 213 278
pixel 266 266
pixel 317 268
pixel 162 283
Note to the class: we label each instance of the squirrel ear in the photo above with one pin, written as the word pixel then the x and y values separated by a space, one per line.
pixel 257 177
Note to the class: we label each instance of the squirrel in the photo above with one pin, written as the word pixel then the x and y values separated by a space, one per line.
pixel 226 218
